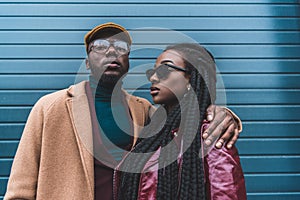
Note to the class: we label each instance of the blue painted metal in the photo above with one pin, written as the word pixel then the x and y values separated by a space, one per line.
pixel 257 48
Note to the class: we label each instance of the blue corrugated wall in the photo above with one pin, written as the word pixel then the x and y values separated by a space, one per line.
pixel 257 48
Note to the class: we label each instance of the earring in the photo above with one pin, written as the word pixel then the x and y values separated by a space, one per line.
pixel 188 87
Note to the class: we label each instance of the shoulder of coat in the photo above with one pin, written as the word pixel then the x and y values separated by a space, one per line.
pixel 51 99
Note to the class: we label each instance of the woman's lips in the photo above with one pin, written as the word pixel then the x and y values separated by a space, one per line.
pixel 154 91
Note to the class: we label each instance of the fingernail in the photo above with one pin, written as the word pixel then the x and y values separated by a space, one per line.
pixel 219 145
pixel 229 146
pixel 207 142
pixel 204 135
pixel 209 117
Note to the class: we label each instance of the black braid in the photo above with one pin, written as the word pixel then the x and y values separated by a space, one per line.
pixel 203 82
pixel 130 181
pixel 201 67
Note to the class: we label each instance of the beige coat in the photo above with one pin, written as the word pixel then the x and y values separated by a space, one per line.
pixel 54 159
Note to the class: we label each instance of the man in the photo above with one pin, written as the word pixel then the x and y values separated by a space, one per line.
pixel 72 143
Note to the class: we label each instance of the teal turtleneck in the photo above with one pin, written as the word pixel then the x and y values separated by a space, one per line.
pixel 113 118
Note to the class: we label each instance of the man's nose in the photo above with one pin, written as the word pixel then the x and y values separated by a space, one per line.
pixel 111 50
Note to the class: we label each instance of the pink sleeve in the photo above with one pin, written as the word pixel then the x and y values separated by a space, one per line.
pixel 223 172
pixel 224 175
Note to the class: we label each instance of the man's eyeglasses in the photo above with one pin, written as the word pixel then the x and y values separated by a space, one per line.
pixel 101 46
pixel 163 71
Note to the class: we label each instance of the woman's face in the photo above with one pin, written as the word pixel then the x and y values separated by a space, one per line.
pixel 169 89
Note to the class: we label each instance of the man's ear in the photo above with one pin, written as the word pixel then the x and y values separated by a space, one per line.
pixel 87 63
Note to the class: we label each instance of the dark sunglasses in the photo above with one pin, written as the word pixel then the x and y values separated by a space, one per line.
pixel 163 71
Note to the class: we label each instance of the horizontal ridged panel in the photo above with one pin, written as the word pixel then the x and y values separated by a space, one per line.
pixel 5 167
pixel 3 183
pixel 231 81
pixel 8 148
pixel 277 182
pixel 256 44
pixel 270 129
pixel 159 1
pixel 21 97
pixel 149 51
pixel 274 196
pixel 270 164
pixel 261 146
pixel 253 129
pixel 250 164
pixel 61 66
pixel 158 36
pixel 266 146
pixel 258 113
pixel 243 96
pixel 233 96
pixel 267 113
pixel 11 131
pixel 235 81
pixel 153 10
pixel 176 23
pixel 273 183
pixel 246 96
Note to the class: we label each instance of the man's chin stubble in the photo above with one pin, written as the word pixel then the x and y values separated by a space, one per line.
pixel 109 80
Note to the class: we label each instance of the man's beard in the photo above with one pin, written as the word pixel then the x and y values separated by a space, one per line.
pixel 110 79
pixel 107 80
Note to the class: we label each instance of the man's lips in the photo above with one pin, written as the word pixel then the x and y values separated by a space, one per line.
pixel 112 65
pixel 154 91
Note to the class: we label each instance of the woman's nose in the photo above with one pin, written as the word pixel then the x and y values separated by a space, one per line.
pixel 154 78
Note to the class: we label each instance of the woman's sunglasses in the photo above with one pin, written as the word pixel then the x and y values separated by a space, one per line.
pixel 163 71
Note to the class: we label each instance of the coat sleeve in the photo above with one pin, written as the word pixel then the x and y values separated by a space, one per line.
pixel 22 183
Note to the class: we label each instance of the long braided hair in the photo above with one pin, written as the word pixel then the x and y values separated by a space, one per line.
pixel 200 65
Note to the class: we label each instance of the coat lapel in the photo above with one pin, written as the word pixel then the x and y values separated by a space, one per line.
pixel 138 114
pixel 81 120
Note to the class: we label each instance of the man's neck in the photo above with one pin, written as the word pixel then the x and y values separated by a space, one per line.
pixel 104 89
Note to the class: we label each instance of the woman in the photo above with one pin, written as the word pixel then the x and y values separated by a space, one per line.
pixel 172 163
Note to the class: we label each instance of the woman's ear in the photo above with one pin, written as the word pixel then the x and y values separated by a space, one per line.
pixel 187 75
pixel 87 64
pixel 187 78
